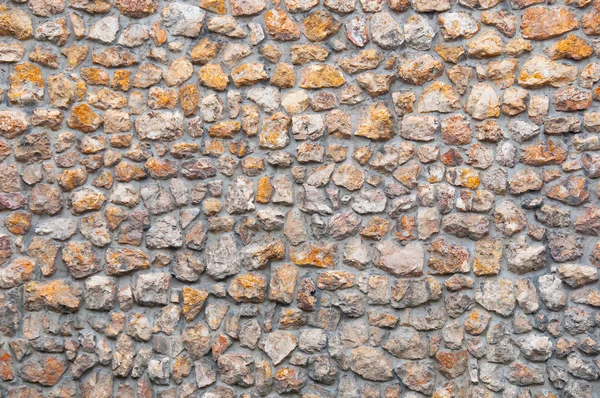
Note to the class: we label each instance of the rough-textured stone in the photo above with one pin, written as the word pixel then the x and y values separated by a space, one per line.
pixel 198 196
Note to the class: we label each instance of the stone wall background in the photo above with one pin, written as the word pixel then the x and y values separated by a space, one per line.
pixel 331 198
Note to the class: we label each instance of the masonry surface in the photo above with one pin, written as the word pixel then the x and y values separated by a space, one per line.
pixel 303 198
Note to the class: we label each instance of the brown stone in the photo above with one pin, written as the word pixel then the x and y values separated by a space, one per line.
pixel 45 370
pixel 448 258
pixel 539 71
pixel 137 8
pixel 543 153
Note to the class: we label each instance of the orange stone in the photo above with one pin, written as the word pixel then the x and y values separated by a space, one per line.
pixel 573 47
pixel 541 22
pixel 321 255
pixel 26 85
pixel 54 295
pixel 189 96
pixel 320 25
pixel 212 76
pixel 193 301
pixel 264 190
pixel 280 26
pixel 321 76
pixel 83 118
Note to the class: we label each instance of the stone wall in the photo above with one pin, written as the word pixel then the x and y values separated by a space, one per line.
pixel 336 198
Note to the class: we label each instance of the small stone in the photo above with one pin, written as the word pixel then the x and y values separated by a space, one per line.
pixel 56 295
pixel 164 233
pixel 55 31
pixel 321 76
pixel 222 258
pixel 123 260
pixel 488 257
pixel 572 47
pixel 160 126
pixel 522 257
pixel 100 292
pixel 417 68
pixel 314 254
pixel 418 33
pixel 152 289
pixel 105 29
pixel 473 226
pixel 399 261
pixel 452 363
pixel 11 52
pixel 501 20
pixel 356 31
pixel 180 70
pixel 376 124
pixel 137 9
pixel 508 218
pixel 571 191
pixel 576 275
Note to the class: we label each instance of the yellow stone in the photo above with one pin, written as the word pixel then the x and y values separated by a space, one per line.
pixel 15 22
pixel 376 124
pixel 193 301
pixel 26 85
pixel 320 25
pixel 280 26
pixel 321 76
pixel 248 74
pixel 212 76
pixel 284 76
pixel 205 51
pixel 216 6
pixel 189 96
pixel 264 190
pixel 573 47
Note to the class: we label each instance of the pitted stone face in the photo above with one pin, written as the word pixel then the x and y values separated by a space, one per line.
pixel 337 198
